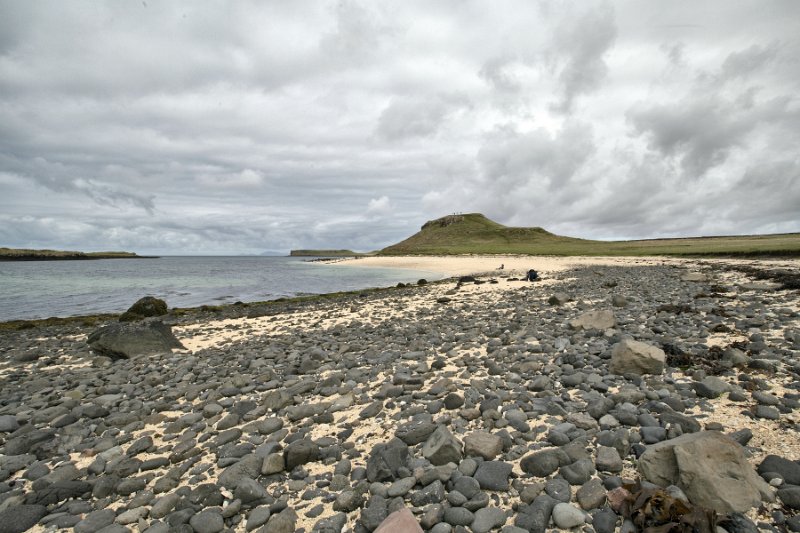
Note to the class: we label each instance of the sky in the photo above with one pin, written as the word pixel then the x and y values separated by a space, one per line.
pixel 214 127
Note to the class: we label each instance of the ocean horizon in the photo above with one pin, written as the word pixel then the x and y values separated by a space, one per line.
pixel 42 289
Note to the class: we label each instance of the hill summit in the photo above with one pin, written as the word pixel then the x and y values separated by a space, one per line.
pixel 474 233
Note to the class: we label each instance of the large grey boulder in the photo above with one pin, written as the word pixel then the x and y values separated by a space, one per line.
pixel 634 357
pixel 126 340
pixel 710 468
pixel 602 320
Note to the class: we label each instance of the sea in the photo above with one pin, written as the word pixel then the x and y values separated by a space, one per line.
pixel 43 289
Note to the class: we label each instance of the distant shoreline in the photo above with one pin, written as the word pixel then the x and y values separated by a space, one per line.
pixel 72 257
pixel 23 254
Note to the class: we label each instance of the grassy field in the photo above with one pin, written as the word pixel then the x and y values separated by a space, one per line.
pixel 21 254
pixel 324 253
pixel 475 234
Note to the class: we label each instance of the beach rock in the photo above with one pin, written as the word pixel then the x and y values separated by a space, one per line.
pixel 126 340
pixel 207 521
pixel 789 470
pixel 567 516
pixel 8 423
pixel 95 521
pixel 442 447
pixel 493 475
pixel 634 357
pixel 544 462
pixel 19 518
pixel 401 521
pixel 709 467
pixel 300 452
pixel 283 522
pixel 594 320
pixel 482 444
pixel 143 308
pixel 488 518
pixel 386 459
pixel 696 277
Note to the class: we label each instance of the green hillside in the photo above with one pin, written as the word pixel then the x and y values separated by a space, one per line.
pixel 22 254
pixel 475 234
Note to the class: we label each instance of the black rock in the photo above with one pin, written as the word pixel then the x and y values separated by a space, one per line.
pixel 19 518
pixel 300 452
pixel 125 340
pixel 790 470
pixel 493 475
pixel 385 460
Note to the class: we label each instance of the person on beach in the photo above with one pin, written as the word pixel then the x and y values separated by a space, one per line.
pixel 532 275
pixel 501 267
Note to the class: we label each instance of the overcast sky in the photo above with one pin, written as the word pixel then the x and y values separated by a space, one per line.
pixel 238 127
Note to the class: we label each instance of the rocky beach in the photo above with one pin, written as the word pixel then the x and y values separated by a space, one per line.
pixel 616 394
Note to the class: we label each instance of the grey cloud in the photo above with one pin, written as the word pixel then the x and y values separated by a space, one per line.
pixel 584 41
pixel 745 62
pixel 700 131
pixel 407 117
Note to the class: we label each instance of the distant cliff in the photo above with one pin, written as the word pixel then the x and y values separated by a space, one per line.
pixel 20 254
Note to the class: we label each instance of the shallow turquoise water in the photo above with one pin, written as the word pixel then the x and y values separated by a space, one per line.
pixel 40 289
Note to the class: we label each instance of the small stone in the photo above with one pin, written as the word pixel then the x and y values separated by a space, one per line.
pixel 487 519
pixel 207 522
pixel 567 516
pixel 483 444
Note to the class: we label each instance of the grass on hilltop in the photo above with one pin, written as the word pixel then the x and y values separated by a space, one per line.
pixel 475 234
pixel 19 254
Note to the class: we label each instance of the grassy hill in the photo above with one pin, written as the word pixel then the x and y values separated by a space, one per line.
pixel 475 234
pixel 22 254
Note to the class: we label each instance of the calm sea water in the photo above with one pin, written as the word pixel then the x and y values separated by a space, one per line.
pixel 41 289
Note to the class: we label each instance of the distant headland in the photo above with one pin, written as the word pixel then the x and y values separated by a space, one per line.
pixel 21 254
pixel 324 253
pixel 473 233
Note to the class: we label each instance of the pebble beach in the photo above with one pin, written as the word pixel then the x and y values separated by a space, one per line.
pixel 478 403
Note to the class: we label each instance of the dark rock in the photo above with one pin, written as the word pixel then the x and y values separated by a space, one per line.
pixel 790 470
pixel 482 444
pixel 61 491
pixel 415 432
pixel 385 460
pixel 544 462
pixel 126 340
pixel 95 521
pixel 207 521
pixel 605 521
pixel 536 516
pixel 487 519
pixel 300 452
pixel 283 522
pixel 143 308
pixel 790 497
pixel 19 518
pixel 493 475
pixel 442 447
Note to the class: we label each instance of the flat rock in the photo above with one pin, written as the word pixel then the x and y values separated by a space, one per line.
pixel 126 340
pixel 709 467
pixel 20 518
pixel 482 444
pixel 598 320
pixel 401 521
pixel 634 357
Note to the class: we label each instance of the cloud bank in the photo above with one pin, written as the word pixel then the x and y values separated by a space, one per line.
pixel 212 127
